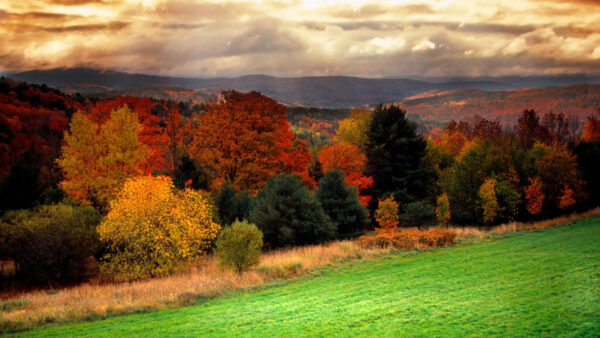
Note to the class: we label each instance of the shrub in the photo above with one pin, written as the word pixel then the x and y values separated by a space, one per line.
pixel 288 214
pixel 409 239
pixel 341 204
pixel 153 230
pixel 442 211
pixel 386 214
pixel 50 243
pixel 238 246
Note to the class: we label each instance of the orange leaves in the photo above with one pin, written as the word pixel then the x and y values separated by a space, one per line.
pixel 386 214
pixel 591 129
pixel 534 196
pixel 245 139
pixel 349 159
pixel 567 198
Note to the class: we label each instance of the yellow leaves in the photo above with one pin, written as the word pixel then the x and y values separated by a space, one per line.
pixel 489 202
pixel 154 229
pixel 96 160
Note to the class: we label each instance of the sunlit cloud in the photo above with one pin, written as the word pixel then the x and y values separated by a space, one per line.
pixel 302 38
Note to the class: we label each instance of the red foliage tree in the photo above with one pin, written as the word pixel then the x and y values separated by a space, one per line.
pixel 534 196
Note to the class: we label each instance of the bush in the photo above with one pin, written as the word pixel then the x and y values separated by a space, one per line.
pixel 288 214
pixel 50 243
pixel 340 202
pixel 409 239
pixel 153 230
pixel 238 246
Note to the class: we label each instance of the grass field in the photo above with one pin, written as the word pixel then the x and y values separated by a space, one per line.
pixel 543 282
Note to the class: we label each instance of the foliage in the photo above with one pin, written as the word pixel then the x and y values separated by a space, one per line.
pixel 489 202
pixel 534 196
pixel 97 160
pixel 153 230
pixel 50 243
pixel 567 198
pixel 419 213
pixel 232 204
pixel 350 160
pixel 409 239
pixel 340 202
pixel 591 129
pixel 187 175
pixel 557 169
pixel 442 211
pixel 386 214
pixel 238 246
pixel 588 162
pixel 394 152
pixel 246 139
pixel 354 129
pixel 288 214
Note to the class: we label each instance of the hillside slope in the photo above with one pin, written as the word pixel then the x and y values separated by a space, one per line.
pixel 525 284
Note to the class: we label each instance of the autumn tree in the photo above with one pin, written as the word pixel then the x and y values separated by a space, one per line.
pixel 97 160
pixel 591 129
pixel 245 138
pixel 442 211
pixel 386 214
pixel 567 198
pixel 350 160
pixel 557 169
pixel 489 202
pixel 152 229
pixel 588 162
pixel 354 129
pixel 394 155
pixel 528 127
pixel 534 196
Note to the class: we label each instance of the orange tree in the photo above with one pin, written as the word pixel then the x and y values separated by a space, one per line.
pixel 153 230
pixel 245 139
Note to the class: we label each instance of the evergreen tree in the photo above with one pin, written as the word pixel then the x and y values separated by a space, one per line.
pixel 232 204
pixel 341 204
pixel 394 152
pixel 288 214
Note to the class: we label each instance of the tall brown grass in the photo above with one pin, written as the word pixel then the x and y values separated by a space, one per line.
pixel 206 280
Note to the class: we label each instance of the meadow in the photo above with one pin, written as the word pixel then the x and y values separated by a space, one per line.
pixel 531 283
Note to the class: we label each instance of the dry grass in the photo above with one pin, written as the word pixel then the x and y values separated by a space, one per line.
pixel 207 280
pixel 477 233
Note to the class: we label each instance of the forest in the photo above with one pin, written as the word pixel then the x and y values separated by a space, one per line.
pixel 148 187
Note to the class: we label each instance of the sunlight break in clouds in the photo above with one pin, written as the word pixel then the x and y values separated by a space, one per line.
pixel 295 38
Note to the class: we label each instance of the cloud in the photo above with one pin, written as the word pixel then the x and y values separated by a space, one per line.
pixel 293 37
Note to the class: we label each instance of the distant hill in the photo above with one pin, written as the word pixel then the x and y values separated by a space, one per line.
pixel 580 100
pixel 326 91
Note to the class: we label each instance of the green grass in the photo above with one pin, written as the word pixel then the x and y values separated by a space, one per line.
pixel 539 283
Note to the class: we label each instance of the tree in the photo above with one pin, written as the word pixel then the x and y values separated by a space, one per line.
pixel 528 127
pixel 534 196
pixel 96 161
pixel 350 160
pixel 246 139
pixel 567 198
pixel 588 162
pixel 288 214
pixel 153 230
pixel 238 246
pixel 557 169
pixel 419 213
pixel 50 243
pixel 489 202
pixel 232 204
pixel 20 188
pixel 591 129
pixel 443 209
pixel 394 152
pixel 341 204
pixel 386 214
pixel 354 129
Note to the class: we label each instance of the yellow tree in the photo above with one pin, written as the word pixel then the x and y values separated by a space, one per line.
pixel 354 129
pixel 442 210
pixel 386 214
pixel 97 160
pixel 489 202
pixel 153 230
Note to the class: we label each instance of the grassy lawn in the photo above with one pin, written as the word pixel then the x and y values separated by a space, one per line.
pixel 544 282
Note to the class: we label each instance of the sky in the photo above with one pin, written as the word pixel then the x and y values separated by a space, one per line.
pixel 304 38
